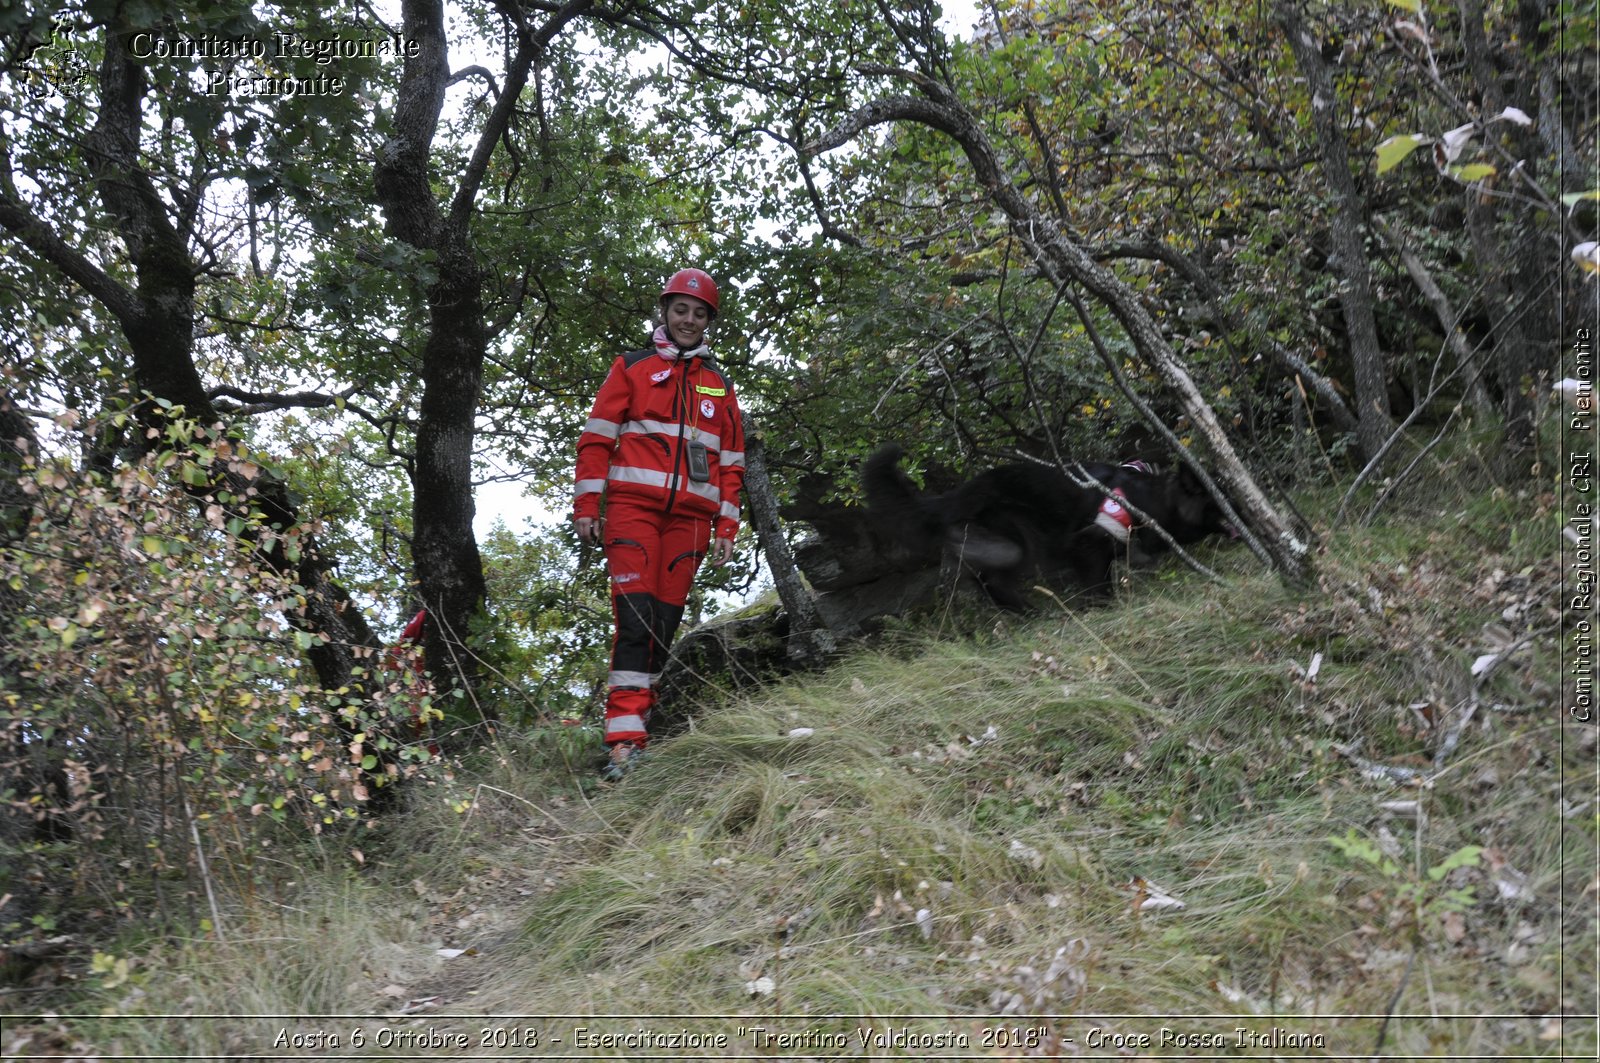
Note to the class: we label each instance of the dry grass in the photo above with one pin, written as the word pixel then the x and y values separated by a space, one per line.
pixel 979 825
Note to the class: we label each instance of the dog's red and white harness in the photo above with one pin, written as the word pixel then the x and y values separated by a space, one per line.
pixel 1114 517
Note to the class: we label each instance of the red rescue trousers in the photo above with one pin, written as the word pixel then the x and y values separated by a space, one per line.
pixel 653 557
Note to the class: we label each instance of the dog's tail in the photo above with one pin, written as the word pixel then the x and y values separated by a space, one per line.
pixel 887 486
pixel 899 513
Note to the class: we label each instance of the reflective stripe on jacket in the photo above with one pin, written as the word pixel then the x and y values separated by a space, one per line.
pixel 636 440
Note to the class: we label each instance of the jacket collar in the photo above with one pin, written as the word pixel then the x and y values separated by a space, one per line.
pixel 665 348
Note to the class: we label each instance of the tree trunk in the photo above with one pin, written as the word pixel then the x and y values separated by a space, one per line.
pixel 810 638
pixel 1519 256
pixel 444 545
pixel 1346 227
pixel 445 558
pixel 449 568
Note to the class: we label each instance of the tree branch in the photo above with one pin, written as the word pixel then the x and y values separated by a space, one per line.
pixel 529 47
pixel 37 235
pixel 479 72
pixel 1202 283
pixel 881 112
pixel 1455 339
pixel 820 209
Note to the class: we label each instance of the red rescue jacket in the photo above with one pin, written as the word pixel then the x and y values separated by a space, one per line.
pixel 635 444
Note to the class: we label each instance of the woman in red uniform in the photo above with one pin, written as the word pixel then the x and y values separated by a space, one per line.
pixel 664 447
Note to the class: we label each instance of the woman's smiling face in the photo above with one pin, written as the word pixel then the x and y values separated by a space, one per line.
pixel 687 319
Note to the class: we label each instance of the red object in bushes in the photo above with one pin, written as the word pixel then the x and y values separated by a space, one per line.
pixel 406 656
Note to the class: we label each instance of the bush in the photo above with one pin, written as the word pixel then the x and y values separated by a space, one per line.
pixel 157 724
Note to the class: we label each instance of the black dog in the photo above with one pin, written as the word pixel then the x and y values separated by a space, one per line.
pixel 1016 525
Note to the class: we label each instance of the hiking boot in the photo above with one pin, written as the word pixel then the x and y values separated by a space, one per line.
pixel 625 756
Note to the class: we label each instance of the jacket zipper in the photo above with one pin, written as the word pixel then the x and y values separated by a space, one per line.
pixel 677 457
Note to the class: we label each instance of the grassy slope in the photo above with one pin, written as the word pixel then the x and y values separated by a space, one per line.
pixel 1172 739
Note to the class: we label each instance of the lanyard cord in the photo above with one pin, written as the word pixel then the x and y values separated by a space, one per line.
pixel 674 480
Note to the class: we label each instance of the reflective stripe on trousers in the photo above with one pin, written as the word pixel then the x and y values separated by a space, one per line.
pixel 652 557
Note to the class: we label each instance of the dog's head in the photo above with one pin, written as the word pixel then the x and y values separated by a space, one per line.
pixel 1193 513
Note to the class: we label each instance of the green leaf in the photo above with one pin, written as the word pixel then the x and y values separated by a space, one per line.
pixel 1394 150
pixel 1466 856
pixel 1572 199
pixel 1413 6
pixel 1356 847
pixel 1476 172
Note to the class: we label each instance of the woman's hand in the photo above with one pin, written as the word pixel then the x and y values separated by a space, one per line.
pixel 588 530
pixel 721 552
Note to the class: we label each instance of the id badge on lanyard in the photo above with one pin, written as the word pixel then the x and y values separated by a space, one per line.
pixel 699 462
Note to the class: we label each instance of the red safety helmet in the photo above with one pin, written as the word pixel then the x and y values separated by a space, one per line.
pixel 695 283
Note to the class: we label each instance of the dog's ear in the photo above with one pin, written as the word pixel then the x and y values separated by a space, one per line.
pixel 1196 502
pixel 1188 482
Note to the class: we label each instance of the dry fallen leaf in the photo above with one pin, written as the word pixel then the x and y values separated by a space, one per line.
pixel 1160 901
pixel 1512 885
pixel 1148 897
pixel 1577 394
pixel 1407 809
pixel 1027 854
pixel 1587 257
pixel 420 1004
pixel 1237 997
